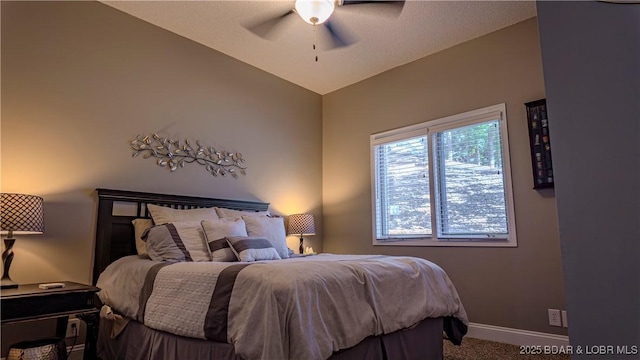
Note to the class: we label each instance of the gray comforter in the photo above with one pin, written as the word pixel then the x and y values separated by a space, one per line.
pixel 300 308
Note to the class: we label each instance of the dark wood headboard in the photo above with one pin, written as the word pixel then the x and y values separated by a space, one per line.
pixel 114 232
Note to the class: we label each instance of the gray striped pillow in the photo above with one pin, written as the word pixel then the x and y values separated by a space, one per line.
pixel 252 248
pixel 178 241
pixel 216 232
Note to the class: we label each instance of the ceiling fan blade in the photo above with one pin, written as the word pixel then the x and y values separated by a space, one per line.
pixel 393 7
pixel 265 28
pixel 339 36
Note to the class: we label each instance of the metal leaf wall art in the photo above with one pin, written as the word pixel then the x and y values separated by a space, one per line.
pixel 174 154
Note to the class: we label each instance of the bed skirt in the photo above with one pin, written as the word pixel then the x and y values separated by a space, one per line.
pixel 137 342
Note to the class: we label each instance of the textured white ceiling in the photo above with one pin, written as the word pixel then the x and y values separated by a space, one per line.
pixel 383 41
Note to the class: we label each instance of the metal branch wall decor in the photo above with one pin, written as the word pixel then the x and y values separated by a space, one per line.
pixel 175 154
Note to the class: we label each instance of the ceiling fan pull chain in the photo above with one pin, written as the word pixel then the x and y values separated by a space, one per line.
pixel 315 41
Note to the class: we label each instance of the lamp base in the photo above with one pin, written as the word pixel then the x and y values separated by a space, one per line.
pixel 8 284
pixel 301 246
pixel 7 258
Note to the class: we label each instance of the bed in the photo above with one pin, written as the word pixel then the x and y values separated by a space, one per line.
pixel 317 307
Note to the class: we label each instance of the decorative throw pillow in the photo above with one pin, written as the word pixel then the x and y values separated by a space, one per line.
pixel 139 227
pixel 216 231
pixel 270 228
pixel 252 248
pixel 224 213
pixel 162 215
pixel 178 241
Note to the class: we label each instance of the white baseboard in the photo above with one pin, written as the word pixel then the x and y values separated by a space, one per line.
pixel 515 336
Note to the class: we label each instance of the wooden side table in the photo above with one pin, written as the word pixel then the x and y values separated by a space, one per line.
pixel 30 303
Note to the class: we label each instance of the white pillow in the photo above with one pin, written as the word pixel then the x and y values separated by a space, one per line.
pixel 178 241
pixel 270 228
pixel 252 248
pixel 216 231
pixel 230 213
pixel 162 215
pixel 139 227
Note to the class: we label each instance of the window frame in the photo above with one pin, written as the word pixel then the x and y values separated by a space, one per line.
pixel 426 129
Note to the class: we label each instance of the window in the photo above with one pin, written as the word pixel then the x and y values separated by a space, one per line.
pixel 444 182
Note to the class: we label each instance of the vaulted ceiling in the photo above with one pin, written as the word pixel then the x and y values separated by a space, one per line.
pixel 382 39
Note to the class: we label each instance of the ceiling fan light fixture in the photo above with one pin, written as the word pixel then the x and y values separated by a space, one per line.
pixel 315 12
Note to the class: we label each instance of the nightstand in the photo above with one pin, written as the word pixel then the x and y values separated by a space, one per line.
pixel 30 303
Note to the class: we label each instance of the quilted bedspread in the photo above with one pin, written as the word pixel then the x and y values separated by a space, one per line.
pixel 299 308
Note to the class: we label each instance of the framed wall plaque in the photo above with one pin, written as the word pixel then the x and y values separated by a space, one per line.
pixel 540 143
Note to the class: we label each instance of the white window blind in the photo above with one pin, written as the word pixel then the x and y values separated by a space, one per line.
pixel 403 205
pixel 458 167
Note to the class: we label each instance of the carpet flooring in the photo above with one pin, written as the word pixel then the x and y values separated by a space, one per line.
pixel 475 349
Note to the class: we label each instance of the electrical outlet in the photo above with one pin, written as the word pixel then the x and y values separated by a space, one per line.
pixel 555 317
pixel 565 323
pixel 73 328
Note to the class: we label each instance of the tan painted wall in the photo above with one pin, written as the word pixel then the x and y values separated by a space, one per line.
pixel 80 80
pixel 511 287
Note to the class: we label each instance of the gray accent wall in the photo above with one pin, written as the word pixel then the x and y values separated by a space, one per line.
pixel 508 287
pixel 591 57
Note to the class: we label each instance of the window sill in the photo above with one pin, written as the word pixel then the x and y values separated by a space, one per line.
pixel 424 242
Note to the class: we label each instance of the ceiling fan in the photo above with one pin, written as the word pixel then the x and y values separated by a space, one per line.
pixel 318 12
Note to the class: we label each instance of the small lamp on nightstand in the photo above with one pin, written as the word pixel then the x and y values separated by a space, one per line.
pixel 301 224
pixel 19 214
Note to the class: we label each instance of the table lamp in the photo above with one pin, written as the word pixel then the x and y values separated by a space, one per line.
pixel 301 224
pixel 19 214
